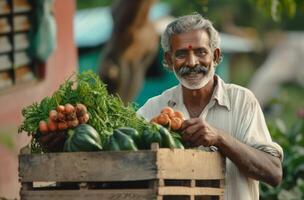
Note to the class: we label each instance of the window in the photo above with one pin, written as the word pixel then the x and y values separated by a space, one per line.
pixel 16 66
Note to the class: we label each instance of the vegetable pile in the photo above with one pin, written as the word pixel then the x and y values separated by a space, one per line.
pixel 93 119
pixel 170 118
pixel 64 117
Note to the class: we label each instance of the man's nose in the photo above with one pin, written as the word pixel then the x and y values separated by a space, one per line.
pixel 192 60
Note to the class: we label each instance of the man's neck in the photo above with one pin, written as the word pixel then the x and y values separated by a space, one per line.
pixel 196 100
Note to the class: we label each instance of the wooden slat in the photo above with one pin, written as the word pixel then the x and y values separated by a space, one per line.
pixel 189 164
pixel 192 185
pixel 88 166
pixel 222 185
pixel 131 194
pixel 178 190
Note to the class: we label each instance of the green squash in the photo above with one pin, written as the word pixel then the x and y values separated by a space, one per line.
pixel 150 136
pixel 168 140
pixel 133 133
pixel 120 141
pixel 83 138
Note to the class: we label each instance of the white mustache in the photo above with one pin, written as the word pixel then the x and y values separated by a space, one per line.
pixel 185 70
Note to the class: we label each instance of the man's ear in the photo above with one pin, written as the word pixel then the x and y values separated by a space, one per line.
pixel 168 58
pixel 217 56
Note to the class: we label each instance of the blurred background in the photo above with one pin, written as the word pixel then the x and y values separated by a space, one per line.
pixel 43 42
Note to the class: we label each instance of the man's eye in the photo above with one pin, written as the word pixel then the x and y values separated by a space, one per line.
pixel 180 54
pixel 200 52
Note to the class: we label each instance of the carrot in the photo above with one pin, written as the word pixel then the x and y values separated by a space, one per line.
pixel 61 117
pixel 53 115
pixel 81 109
pixel 176 123
pixel 69 108
pixel 84 119
pixel 168 110
pixel 71 116
pixel 52 125
pixel 62 125
pixel 179 115
pixel 163 119
pixel 73 123
pixel 43 127
pixel 60 109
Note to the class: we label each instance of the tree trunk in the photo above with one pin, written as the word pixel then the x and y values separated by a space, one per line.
pixel 130 50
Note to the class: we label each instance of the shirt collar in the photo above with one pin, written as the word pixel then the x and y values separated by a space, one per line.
pixel 219 95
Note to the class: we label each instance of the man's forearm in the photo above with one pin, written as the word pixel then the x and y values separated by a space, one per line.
pixel 253 162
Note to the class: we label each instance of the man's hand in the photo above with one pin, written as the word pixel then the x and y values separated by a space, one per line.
pixel 198 132
pixel 53 141
pixel 252 162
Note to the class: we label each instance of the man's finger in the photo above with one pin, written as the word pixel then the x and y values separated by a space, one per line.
pixel 199 141
pixel 193 128
pixel 188 132
pixel 188 122
pixel 195 137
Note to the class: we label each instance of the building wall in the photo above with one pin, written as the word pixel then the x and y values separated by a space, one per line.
pixel 61 64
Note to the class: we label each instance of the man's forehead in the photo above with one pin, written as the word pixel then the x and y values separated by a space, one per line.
pixel 190 40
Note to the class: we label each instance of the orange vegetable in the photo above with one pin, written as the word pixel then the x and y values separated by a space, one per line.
pixel 52 125
pixel 71 116
pixel 84 119
pixel 163 119
pixel 43 127
pixel 62 125
pixel 176 123
pixel 168 110
pixel 53 115
pixel 73 124
pixel 60 109
pixel 179 115
pixel 61 116
pixel 69 108
pixel 81 110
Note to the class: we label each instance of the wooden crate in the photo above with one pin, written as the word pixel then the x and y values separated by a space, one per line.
pixel 161 174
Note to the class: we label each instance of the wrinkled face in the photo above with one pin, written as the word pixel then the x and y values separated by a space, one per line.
pixel 192 59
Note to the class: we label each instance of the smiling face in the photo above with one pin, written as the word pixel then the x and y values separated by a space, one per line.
pixel 192 59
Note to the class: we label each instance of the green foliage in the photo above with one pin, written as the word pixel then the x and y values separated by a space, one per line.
pixel 83 4
pixel 260 14
pixel 279 8
pixel 187 7
pixel 292 142
pixel 288 99
pixel 36 112
pixel 107 112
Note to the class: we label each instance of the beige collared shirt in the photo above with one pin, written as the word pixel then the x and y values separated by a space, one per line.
pixel 235 110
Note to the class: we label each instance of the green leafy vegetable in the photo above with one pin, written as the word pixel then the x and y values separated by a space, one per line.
pixel 107 112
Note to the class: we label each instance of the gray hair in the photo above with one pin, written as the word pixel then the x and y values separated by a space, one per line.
pixel 189 23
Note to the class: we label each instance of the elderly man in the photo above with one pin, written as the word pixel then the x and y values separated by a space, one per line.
pixel 218 114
